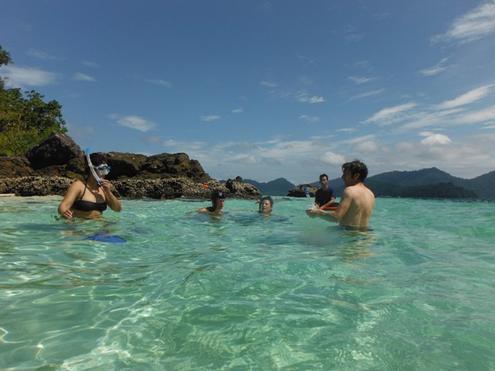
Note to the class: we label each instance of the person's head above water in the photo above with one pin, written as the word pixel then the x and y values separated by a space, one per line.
pixel 354 172
pixel 266 205
pixel 217 199
pixel 97 163
pixel 324 181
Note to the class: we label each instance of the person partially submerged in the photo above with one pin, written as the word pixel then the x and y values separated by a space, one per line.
pixel 217 201
pixel 265 205
pixel 357 201
pixel 90 198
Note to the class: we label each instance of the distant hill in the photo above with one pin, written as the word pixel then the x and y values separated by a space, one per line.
pixel 427 183
pixel 277 187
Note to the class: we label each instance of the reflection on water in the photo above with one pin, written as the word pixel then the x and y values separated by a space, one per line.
pixel 244 290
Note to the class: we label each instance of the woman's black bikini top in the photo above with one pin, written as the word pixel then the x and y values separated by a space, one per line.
pixel 83 205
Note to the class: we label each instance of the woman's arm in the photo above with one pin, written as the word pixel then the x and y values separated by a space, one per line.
pixel 69 198
pixel 110 198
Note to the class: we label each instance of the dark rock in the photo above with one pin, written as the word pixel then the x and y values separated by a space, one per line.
pixel 11 167
pixel 56 150
pixel 124 165
pixel 135 188
pixel 238 188
pixel 173 165
pixel 35 185
pixel 303 190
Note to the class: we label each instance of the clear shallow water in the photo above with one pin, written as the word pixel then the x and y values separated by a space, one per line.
pixel 247 292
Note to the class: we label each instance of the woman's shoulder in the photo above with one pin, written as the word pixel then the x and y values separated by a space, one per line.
pixel 77 184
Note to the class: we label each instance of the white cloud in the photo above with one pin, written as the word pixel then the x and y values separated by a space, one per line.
pixel 346 130
pixel 268 84
pixel 91 64
pixel 477 117
pixel 471 26
pixel 430 118
pixel 302 160
pixel 436 69
pixel 435 139
pixel 358 80
pixel 367 94
pixel 39 54
pixel 19 77
pixel 134 122
pixel 79 76
pixel 309 119
pixel 238 110
pixel 163 83
pixel 332 158
pixel 210 118
pixel 389 114
pixel 467 98
pixel 304 97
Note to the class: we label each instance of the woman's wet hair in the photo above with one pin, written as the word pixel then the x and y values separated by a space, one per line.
pixel 97 158
pixel 356 167
pixel 267 198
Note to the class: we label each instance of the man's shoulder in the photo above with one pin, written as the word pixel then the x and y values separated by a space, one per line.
pixel 358 189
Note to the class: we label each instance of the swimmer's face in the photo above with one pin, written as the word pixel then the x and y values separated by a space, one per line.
pixel 348 178
pixel 266 206
pixel 218 203
pixel 324 182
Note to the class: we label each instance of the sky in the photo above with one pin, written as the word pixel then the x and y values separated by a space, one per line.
pixel 267 89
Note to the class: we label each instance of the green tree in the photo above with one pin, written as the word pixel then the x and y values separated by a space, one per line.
pixel 25 119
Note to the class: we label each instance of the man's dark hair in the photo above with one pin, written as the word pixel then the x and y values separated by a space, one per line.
pixel 97 158
pixel 267 198
pixel 217 195
pixel 323 175
pixel 356 167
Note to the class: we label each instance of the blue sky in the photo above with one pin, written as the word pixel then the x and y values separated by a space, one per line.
pixel 264 89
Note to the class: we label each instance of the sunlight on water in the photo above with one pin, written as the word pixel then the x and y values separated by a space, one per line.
pixel 244 291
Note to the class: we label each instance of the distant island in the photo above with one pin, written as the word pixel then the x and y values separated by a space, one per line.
pixel 424 183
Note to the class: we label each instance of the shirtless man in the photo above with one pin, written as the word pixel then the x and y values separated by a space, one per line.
pixel 357 202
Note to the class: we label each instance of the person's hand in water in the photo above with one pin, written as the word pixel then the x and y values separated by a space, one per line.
pixel 67 214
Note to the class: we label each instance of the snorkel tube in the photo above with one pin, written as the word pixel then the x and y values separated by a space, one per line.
pixel 92 168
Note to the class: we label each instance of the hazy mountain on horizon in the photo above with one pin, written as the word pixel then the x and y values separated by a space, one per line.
pixel 407 183
pixel 428 182
pixel 276 187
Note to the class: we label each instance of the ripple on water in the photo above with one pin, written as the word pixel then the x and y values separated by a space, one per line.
pixel 187 291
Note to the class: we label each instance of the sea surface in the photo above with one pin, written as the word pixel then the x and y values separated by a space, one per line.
pixel 188 291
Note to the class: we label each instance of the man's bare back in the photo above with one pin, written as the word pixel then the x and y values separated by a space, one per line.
pixel 355 207
pixel 357 202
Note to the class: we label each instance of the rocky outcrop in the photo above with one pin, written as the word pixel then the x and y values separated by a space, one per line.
pixel 135 188
pixel 15 167
pixel 35 185
pixel 303 190
pixel 57 150
pixel 49 168
pixel 236 186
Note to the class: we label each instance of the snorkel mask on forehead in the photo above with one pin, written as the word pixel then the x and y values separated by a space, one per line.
pixel 97 171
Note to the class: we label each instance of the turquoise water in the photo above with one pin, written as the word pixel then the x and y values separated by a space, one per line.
pixel 187 291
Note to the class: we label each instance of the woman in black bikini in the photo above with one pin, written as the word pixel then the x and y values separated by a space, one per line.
pixel 89 199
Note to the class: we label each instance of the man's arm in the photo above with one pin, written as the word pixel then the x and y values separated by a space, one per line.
pixel 342 209
pixel 345 204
